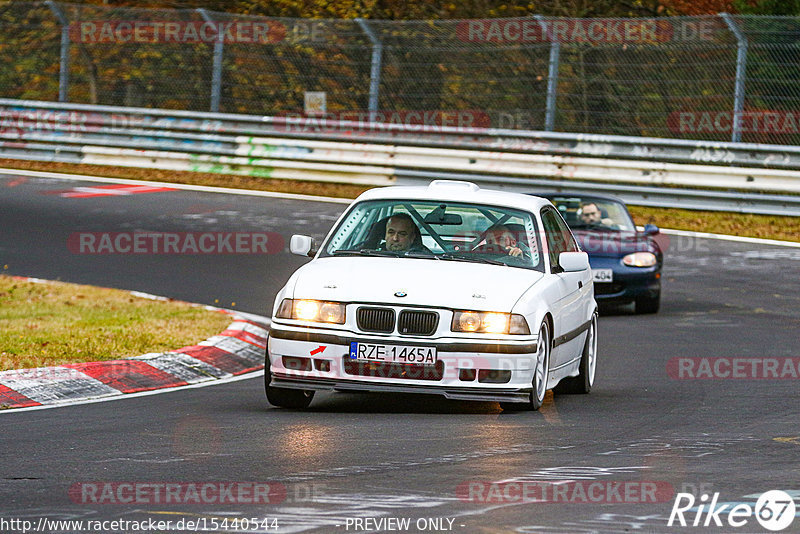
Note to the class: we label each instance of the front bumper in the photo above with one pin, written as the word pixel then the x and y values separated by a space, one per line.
pixel 467 368
pixel 469 394
pixel 628 284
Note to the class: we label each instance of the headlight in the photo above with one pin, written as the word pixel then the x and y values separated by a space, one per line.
pixel 640 259
pixel 318 311
pixel 489 323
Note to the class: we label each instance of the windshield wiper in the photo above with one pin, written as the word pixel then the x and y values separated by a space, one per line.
pixel 371 252
pixel 420 255
pixel 365 252
pixel 471 259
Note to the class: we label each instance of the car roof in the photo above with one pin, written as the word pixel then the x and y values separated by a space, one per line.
pixel 580 194
pixel 457 191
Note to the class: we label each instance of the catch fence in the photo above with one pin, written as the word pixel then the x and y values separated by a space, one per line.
pixel 716 78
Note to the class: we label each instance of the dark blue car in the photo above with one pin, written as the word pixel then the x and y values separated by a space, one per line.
pixel 626 263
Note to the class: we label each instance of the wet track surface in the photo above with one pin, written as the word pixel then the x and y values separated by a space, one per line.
pixel 645 428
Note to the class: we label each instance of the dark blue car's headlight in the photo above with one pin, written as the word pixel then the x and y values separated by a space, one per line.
pixel 640 259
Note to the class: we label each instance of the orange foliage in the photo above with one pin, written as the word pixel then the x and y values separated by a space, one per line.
pixel 697 7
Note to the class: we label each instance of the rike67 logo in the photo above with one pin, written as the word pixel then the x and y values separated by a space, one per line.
pixel 774 510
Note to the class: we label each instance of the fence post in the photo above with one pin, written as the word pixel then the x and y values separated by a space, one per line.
pixel 552 76
pixel 216 72
pixel 375 67
pixel 63 70
pixel 741 68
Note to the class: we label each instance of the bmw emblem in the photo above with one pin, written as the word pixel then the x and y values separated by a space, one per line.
pixel 400 294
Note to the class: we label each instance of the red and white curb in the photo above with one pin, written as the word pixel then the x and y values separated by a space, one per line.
pixel 237 350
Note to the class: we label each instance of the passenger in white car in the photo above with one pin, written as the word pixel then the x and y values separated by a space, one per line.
pixel 500 237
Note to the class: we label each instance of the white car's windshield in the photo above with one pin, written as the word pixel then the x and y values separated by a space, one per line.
pixel 438 230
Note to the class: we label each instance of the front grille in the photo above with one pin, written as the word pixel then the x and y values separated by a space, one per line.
pixel 394 370
pixel 375 320
pixel 420 323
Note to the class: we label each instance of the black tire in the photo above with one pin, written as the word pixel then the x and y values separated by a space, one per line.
pixel 285 398
pixel 583 383
pixel 538 383
pixel 647 304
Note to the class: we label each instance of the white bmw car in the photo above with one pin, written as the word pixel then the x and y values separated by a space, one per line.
pixel 448 289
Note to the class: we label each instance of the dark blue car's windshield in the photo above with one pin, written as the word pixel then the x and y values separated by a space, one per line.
pixel 588 213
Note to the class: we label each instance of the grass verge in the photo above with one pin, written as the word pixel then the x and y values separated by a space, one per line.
pixel 718 222
pixel 747 225
pixel 45 324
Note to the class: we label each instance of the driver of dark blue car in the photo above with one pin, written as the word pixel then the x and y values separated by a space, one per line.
pixel 591 215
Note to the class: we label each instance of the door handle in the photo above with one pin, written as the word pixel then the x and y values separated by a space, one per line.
pixel 580 284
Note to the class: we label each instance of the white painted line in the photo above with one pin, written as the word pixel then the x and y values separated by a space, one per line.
pixel 723 237
pixel 246 376
pixel 185 187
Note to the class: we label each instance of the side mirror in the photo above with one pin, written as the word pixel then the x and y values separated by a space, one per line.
pixel 302 245
pixel 651 229
pixel 573 262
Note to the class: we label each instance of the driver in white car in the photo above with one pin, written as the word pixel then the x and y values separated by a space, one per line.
pixel 401 233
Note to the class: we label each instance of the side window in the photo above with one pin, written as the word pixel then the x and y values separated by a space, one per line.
pixel 567 237
pixel 559 238
pixel 554 236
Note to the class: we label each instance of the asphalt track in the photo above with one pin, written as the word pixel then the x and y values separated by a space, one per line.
pixel 377 457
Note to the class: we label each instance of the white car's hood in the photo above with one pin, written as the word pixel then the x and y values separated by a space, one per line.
pixel 425 282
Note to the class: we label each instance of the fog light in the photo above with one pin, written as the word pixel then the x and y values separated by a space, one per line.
pixel 494 376
pixel 466 375
pixel 322 365
pixel 297 364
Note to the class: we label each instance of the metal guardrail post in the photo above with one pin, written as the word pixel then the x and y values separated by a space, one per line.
pixel 741 68
pixel 552 75
pixel 216 73
pixel 63 71
pixel 375 67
